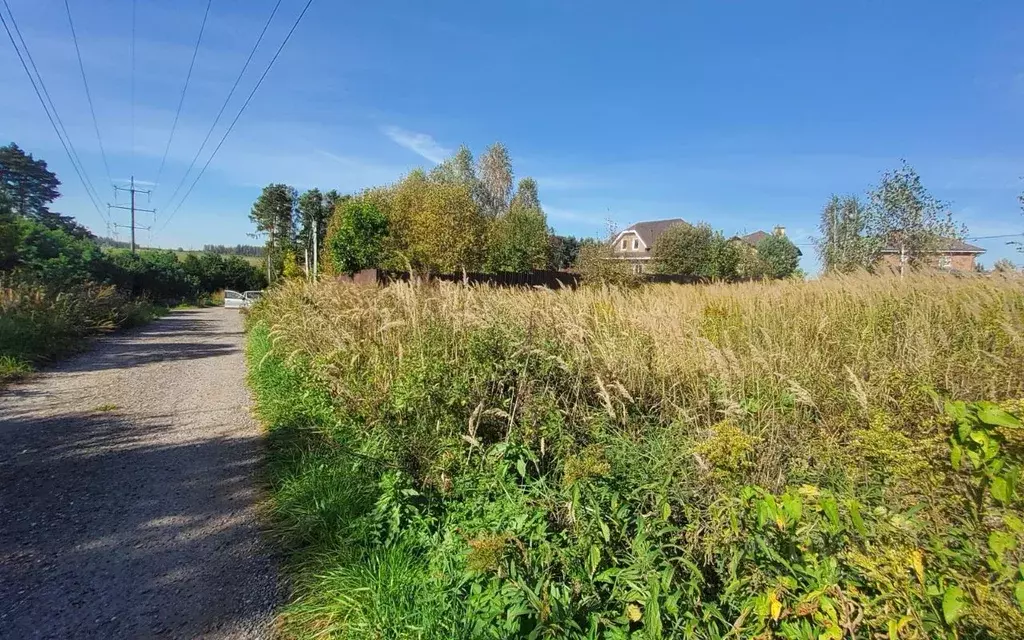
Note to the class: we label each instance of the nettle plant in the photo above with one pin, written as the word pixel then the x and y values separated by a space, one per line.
pixel 978 446
pixel 978 437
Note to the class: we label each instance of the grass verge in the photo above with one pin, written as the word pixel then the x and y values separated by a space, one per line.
pixel 39 325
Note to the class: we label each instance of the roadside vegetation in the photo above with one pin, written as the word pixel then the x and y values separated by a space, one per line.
pixel 58 285
pixel 829 459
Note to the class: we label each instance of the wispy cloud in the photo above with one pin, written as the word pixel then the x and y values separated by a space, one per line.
pixel 419 143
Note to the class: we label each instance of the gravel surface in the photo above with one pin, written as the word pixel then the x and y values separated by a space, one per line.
pixel 128 491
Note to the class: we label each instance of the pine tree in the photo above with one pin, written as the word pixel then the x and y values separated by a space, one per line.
pixel 526 195
pixel 27 183
pixel 273 215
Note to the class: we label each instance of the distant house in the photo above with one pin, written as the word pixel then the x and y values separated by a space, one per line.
pixel 751 240
pixel 955 255
pixel 635 242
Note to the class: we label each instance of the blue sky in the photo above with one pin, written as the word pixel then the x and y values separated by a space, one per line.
pixel 742 114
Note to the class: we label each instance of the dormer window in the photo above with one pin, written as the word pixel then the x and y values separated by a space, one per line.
pixel 623 244
pixel 636 243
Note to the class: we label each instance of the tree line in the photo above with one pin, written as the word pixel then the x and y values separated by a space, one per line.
pixel 463 214
pixel 700 250
pixel 467 214
pixel 249 250
pixel 43 248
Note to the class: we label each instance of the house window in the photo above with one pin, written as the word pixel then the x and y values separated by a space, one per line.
pixel 945 261
pixel 623 244
pixel 636 244
pixel 638 267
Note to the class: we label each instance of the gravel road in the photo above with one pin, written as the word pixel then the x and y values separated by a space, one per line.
pixel 128 491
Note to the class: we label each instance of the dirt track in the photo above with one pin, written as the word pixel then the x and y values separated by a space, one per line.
pixel 128 491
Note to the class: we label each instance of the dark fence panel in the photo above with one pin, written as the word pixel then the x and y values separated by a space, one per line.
pixel 668 278
pixel 536 278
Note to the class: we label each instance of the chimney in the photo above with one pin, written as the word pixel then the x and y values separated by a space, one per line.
pixel 780 231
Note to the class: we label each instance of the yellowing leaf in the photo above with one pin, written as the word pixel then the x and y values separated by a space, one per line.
pixel 633 612
pixel 831 633
pixel 775 607
pixel 917 562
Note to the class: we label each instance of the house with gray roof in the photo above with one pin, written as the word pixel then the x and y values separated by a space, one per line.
pixel 635 243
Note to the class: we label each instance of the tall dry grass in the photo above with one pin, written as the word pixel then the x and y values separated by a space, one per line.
pixel 39 323
pixel 823 355
pixel 693 406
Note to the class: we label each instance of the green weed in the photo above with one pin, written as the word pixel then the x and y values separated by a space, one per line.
pixel 12 368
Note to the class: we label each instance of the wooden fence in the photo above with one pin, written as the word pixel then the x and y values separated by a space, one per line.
pixel 536 278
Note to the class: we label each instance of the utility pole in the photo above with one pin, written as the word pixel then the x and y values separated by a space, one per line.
pixel 316 257
pixel 132 190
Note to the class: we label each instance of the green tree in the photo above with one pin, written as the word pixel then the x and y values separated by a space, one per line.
pixel 495 174
pixel 905 217
pixel 695 250
pixel 597 265
pixel 844 245
pixel 240 275
pixel 28 184
pixel 358 236
pixel 518 241
pixel 10 234
pixel 526 194
pixel 780 256
pixel 273 215
pixel 1004 265
pixel 563 251
pixel 314 210
pixel 332 198
pixel 432 226
pixel 457 169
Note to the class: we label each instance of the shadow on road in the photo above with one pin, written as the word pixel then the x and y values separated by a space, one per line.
pixel 91 547
pixel 127 526
pixel 183 335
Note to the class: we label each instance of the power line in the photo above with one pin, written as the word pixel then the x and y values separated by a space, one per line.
pixel 133 86
pixel 181 100
pixel 238 115
pixel 224 106
pixel 53 107
pixel 88 94
pixel 1005 235
pixel 54 118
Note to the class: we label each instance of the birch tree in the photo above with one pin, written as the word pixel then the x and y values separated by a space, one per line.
pixel 495 173
pixel 908 219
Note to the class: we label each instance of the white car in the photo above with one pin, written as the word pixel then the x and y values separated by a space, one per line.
pixel 244 300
